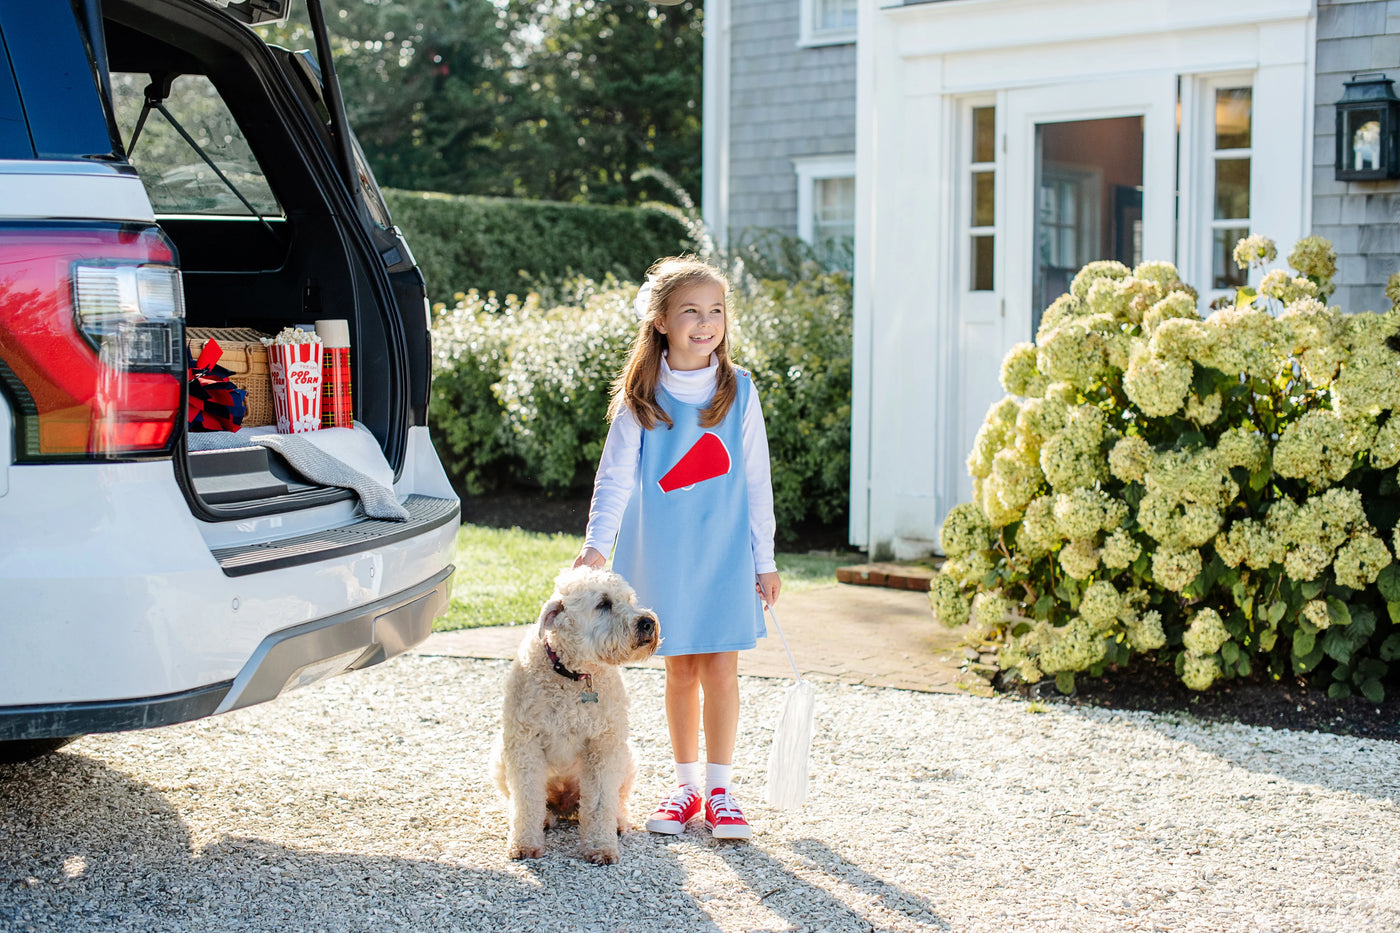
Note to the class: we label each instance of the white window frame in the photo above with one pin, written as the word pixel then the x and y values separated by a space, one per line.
pixel 809 36
pixel 1199 152
pixel 810 170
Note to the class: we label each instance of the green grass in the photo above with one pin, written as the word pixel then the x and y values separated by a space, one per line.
pixel 505 575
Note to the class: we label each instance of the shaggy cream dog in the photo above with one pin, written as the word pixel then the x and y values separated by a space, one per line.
pixel 563 744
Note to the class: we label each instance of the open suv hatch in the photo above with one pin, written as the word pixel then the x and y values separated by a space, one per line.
pixel 163 167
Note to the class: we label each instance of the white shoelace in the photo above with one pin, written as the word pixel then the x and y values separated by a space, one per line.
pixel 723 805
pixel 680 798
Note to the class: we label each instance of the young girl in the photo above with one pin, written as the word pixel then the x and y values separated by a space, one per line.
pixel 683 487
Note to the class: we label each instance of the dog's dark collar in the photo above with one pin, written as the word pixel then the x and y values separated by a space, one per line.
pixel 563 671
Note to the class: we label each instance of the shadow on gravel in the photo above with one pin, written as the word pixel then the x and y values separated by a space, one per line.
pixel 83 846
pixel 809 906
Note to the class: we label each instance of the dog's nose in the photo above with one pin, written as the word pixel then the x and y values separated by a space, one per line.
pixel 646 626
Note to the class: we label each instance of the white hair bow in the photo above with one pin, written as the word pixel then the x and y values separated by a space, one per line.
pixel 643 299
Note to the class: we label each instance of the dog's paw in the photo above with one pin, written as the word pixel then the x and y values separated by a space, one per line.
pixel 519 850
pixel 605 856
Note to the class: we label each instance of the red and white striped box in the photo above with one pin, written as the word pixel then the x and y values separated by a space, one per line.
pixel 296 385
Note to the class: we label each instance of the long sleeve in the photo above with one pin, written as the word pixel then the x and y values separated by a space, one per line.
pixel 614 482
pixel 762 524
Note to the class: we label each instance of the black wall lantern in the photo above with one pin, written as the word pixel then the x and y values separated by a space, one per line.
pixel 1368 124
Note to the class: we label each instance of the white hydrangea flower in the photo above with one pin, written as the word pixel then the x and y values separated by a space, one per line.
pixel 1204 411
pixel 1129 458
pixel 1255 250
pixel 1156 384
pixel 1100 605
pixel 1243 446
pixel 1145 632
pixel 1320 447
pixel 950 606
pixel 998 431
pixel 965 529
pixel 1177 305
pixel 1206 633
pixel 1073 456
pixel 1199 672
pixel 1039 533
pixel 988 611
pixel 1074 647
pixel 1019 375
pixel 1316 612
pixel 1360 561
pixel 1175 570
pixel 1099 269
pixel 1080 558
pixel 1249 542
pixel 1385 449
pixel 1120 550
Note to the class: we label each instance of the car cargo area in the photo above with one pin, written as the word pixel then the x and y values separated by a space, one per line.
pixel 266 236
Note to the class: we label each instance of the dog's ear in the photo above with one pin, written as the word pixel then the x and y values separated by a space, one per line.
pixel 549 614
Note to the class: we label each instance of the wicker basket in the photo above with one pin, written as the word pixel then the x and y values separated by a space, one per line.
pixel 245 357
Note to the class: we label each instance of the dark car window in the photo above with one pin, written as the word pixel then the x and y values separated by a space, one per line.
pixel 58 92
pixel 177 178
pixel 14 131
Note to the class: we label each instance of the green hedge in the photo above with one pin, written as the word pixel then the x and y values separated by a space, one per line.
pixel 520 390
pixel 508 245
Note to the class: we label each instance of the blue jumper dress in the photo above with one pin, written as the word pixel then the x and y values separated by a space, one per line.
pixel 684 542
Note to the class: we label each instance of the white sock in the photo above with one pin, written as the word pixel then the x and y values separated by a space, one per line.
pixel 689 773
pixel 717 776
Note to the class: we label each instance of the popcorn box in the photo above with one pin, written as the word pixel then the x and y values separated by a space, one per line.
pixel 296 385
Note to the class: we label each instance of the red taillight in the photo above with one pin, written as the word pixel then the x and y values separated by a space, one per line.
pixel 91 340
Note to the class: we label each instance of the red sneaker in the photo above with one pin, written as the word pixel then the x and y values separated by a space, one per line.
pixel 724 818
pixel 675 811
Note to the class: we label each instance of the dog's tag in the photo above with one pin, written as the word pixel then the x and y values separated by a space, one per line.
pixel 588 696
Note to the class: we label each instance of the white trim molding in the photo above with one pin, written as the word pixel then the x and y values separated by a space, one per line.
pixel 809 36
pixel 714 156
pixel 810 170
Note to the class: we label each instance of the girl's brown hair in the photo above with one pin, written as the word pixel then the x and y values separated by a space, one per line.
pixel 635 386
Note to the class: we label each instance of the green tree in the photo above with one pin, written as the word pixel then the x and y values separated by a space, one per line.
pixel 561 102
pixel 614 87
pixel 425 84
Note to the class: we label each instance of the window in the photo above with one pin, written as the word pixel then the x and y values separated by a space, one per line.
pixel 1229 143
pixel 834 212
pixel 826 206
pixel 828 22
pixel 176 174
pixel 982 199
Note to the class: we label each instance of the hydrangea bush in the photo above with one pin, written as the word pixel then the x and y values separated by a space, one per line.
pixel 1218 492
pixel 521 385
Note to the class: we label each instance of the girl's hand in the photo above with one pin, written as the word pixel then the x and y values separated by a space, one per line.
pixel 768 587
pixel 590 557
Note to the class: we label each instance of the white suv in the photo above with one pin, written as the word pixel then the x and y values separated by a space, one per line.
pixel 160 164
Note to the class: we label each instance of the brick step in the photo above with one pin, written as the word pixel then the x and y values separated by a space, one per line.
pixel 891 575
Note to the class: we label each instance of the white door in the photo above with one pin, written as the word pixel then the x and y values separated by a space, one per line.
pixel 1090 172
pixel 1079 172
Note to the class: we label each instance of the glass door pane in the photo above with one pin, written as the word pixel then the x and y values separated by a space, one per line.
pixel 1088 183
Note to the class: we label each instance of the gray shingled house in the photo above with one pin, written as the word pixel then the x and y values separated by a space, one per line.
pixel 979 151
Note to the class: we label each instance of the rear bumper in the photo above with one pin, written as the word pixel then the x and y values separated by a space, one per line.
pixel 288 659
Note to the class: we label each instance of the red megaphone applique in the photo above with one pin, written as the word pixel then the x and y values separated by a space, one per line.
pixel 707 459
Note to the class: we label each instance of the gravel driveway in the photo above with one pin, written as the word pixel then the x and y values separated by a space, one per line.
pixel 363 804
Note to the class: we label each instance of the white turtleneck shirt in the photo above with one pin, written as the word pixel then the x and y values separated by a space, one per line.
pixel 617 468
